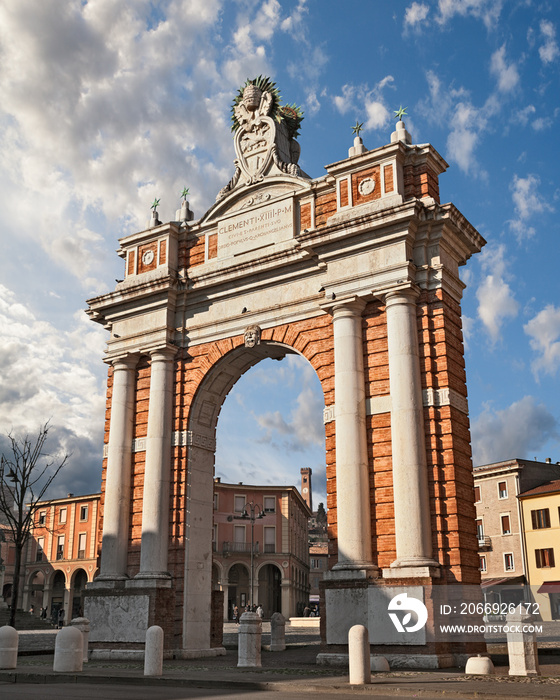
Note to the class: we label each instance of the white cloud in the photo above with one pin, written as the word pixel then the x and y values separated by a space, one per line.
pixel 527 201
pixel 506 74
pixel 362 98
pixel 377 115
pixel 496 302
pixel 486 10
pixel 45 373
pixel 544 331
pixel 513 432
pixel 549 51
pixel 415 14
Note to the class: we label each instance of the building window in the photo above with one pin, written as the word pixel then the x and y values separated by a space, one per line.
pixel 479 529
pixel 508 562
pixel 215 501
pixel 215 538
pixel 540 518
pixel 239 504
pixel 270 540
pixel 506 526
pixel 502 489
pixel 482 565
pixel 544 558
pixel 42 517
pixel 477 498
pixel 269 504
pixel 40 548
pixel 60 547
pixel 82 545
pixel 83 514
pixel 316 563
pixel 62 516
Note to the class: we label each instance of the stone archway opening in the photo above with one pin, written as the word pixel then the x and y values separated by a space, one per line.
pixel 270 589
pixel 79 581
pixel 201 438
pixel 36 591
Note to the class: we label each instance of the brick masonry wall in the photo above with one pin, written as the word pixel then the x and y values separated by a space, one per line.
pixel 447 436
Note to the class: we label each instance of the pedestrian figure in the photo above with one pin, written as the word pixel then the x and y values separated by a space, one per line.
pixel 61 618
pixel 236 614
pixel 260 611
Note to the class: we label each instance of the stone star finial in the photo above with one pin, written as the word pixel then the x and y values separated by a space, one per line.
pixel 400 112
pixel 357 128
pixel 155 204
pixel 185 193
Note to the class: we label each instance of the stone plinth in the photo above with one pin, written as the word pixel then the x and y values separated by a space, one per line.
pixel 358 655
pixel 68 651
pixel 522 645
pixel 249 641
pixel 8 647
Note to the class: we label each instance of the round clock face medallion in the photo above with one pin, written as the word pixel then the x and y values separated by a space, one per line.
pixel 366 186
pixel 305 490
pixel 148 257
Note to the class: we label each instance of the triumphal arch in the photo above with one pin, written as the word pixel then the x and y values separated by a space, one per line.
pixel 358 272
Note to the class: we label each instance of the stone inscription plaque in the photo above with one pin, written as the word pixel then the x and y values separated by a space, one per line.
pixel 256 228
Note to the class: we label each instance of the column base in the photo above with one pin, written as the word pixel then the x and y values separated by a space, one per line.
pixel 345 572
pixel 153 576
pixel 413 568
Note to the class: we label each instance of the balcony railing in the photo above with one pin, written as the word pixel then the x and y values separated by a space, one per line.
pixel 484 542
pixel 239 548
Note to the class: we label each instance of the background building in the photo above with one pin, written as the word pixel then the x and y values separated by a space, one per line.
pixel 61 556
pixel 502 553
pixel 279 546
pixel 540 512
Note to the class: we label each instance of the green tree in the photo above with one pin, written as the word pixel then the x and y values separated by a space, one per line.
pixel 26 472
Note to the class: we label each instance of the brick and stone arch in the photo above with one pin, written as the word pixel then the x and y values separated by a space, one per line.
pixel 358 272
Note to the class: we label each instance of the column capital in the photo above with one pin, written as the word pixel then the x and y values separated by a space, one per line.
pixel 123 362
pixel 404 295
pixel 351 306
pixel 164 354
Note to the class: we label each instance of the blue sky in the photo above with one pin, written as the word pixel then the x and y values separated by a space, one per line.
pixel 108 104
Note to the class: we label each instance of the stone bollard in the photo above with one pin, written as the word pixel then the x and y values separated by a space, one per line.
pixel 358 655
pixel 522 645
pixel 82 623
pixel 153 655
pixel 277 632
pixel 68 651
pixel 379 664
pixel 8 647
pixel 479 666
pixel 249 641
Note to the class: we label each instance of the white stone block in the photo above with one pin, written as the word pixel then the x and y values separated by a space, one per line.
pixel 479 666
pixel 8 647
pixel 68 651
pixel 153 656
pixel 82 623
pixel 249 641
pixel 359 663
pixel 277 632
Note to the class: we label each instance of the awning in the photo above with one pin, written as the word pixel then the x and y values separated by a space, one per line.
pixel 550 587
pixel 511 581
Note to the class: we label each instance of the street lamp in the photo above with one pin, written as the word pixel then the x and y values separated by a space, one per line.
pixel 251 511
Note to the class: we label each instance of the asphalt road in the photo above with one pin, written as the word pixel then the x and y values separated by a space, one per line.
pixel 79 691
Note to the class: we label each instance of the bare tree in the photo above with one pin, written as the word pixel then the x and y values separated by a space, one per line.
pixel 25 476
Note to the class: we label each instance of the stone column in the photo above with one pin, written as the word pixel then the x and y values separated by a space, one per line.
pixel 410 475
pixel 119 460
pixel 155 507
pixel 352 478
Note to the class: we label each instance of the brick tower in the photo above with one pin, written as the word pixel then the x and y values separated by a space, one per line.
pixel 306 486
pixel 358 272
